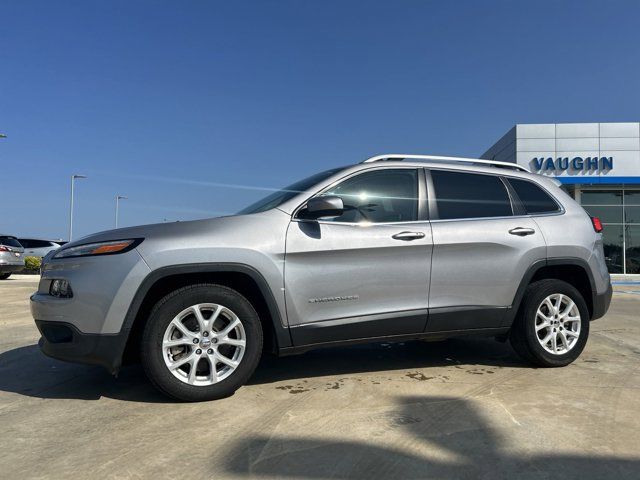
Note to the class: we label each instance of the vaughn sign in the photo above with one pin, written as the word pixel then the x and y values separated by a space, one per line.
pixel 575 163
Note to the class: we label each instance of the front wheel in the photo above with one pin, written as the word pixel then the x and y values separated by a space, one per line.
pixel 552 327
pixel 201 342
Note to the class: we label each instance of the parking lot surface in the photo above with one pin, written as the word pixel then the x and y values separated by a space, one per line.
pixel 456 409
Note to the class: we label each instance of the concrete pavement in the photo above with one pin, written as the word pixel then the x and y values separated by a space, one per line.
pixel 456 409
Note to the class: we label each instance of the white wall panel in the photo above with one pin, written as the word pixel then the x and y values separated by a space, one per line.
pixel 542 130
pixel 536 144
pixel 576 130
pixel 577 144
pixel 620 144
pixel 620 129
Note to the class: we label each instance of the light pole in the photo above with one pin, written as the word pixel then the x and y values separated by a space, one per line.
pixel 118 198
pixel 73 178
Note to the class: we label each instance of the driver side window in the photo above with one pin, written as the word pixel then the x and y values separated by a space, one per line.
pixel 378 196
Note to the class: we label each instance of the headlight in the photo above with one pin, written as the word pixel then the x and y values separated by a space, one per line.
pixel 99 248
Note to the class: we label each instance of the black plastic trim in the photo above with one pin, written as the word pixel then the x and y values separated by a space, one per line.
pixel 601 303
pixel 283 336
pixel 465 317
pixel 429 336
pixel 350 328
pixel 11 268
pixel 555 261
pixel 92 349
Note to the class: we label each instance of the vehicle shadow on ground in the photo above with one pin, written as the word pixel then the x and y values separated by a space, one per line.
pixel 436 437
pixel 388 357
pixel 27 371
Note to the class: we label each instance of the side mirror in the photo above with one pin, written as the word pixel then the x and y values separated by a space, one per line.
pixel 327 206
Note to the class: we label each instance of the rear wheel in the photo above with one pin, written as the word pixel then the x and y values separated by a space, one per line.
pixel 552 327
pixel 4 276
pixel 201 342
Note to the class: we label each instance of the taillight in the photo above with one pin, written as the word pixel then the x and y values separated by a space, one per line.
pixel 597 224
pixel 4 249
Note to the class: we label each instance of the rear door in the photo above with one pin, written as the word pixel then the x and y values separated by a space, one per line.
pixel 481 249
pixel 366 273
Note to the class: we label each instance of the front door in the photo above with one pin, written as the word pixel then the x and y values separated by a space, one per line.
pixel 363 274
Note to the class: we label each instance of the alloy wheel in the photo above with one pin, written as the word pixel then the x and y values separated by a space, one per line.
pixel 557 324
pixel 204 344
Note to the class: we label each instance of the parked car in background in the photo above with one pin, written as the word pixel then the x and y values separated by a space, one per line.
pixel 34 247
pixel 11 256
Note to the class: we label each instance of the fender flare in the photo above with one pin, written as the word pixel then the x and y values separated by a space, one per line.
pixel 283 337
pixel 533 269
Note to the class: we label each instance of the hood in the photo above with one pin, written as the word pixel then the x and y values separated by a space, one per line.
pixel 153 230
pixel 181 233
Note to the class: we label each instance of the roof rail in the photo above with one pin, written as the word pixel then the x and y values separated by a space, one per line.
pixel 436 158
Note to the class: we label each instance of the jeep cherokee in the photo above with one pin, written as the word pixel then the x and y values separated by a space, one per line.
pixel 397 247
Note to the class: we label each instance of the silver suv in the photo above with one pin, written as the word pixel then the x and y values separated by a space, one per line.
pixel 11 256
pixel 398 247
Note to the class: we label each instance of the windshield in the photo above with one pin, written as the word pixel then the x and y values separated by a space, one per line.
pixel 276 199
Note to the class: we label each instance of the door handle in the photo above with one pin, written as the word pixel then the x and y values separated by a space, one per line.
pixel 407 236
pixel 521 231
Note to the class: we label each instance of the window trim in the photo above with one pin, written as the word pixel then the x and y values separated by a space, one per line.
pixel 423 212
pixel 433 205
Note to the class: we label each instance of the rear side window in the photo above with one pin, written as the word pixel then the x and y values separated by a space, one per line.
pixel 10 242
pixel 533 198
pixel 470 195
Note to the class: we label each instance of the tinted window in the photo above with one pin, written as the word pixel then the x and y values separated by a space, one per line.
pixel 379 196
pixel 29 243
pixel 470 195
pixel 10 242
pixel 533 198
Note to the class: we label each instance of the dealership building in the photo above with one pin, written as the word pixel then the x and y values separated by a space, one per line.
pixel 599 165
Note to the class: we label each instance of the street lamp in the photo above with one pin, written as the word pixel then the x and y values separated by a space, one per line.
pixel 118 198
pixel 73 178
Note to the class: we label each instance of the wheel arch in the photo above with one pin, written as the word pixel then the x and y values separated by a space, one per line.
pixel 242 278
pixel 572 270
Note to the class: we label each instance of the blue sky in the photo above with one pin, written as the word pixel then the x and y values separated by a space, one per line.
pixel 165 101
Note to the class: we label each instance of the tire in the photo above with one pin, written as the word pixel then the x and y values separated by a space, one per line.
pixel 212 379
pixel 4 276
pixel 530 328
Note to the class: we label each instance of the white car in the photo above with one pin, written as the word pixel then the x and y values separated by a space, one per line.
pixel 37 248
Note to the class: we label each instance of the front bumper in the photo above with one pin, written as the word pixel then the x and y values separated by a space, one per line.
pixel 63 341
pixel 89 326
pixel 601 303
